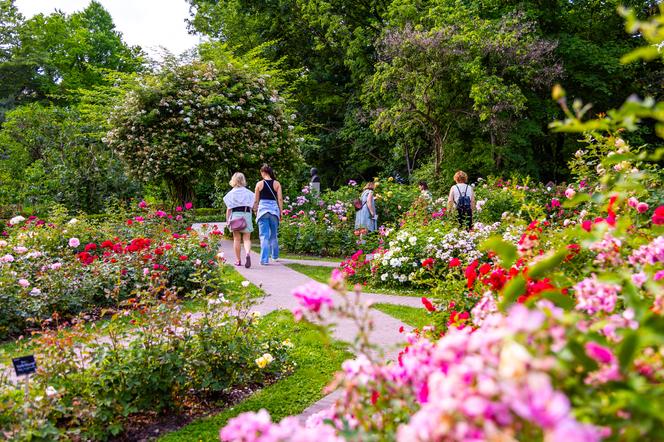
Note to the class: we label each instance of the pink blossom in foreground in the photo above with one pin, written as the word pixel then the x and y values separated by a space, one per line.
pixel 468 386
pixel 258 427
pixel 142 204
pixel 649 254
pixel 569 193
pixel 313 296
pixel 599 353
pixel 74 242
pixel 594 296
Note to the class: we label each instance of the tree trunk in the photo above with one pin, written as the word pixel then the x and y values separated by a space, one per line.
pixel 438 151
pixel 181 190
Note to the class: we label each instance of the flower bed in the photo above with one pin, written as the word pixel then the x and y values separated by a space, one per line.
pixel 324 225
pixel 59 267
pixel 93 381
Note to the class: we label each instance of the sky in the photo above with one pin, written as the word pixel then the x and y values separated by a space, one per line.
pixel 146 23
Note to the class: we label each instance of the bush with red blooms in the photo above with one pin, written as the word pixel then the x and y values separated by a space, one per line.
pixel 65 265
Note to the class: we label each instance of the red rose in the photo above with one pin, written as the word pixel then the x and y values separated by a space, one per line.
pixel 203 245
pixel 485 268
pixel 428 305
pixel 455 262
pixel 91 246
pixel 658 216
pixel 183 257
pixel 428 263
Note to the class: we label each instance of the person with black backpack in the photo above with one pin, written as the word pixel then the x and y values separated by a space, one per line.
pixel 462 198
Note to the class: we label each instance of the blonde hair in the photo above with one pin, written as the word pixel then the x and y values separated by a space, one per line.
pixel 370 186
pixel 238 180
pixel 461 177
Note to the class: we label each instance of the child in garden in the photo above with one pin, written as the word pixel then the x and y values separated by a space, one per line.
pixel 365 215
pixel 463 198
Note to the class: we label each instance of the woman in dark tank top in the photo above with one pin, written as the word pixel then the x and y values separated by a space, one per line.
pixel 267 192
pixel 269 205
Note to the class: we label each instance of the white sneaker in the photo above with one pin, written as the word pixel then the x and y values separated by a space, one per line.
pixel 274 260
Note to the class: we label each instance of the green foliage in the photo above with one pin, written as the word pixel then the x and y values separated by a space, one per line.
pixel 316 362
pixel 220 111
pixel 55 154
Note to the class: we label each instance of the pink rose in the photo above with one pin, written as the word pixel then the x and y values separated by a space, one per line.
pixel 569 193
pixel 642 207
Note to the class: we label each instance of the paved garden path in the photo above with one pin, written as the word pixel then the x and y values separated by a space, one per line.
pixel 278 282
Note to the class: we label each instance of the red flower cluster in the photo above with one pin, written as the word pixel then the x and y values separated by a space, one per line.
pixel 658 216
pixel 428 263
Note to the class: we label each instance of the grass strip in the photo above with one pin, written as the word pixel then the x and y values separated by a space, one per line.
pixel 322 274
pixel 317 361
pixel 412 316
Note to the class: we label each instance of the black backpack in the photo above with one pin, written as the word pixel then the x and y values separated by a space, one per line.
pixel 463 204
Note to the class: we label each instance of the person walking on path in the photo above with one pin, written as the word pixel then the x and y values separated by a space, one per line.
pixel 463 198
pixel 365 215
pixel 239 204
pixel 268 205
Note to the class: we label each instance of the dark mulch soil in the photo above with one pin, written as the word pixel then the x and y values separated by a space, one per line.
pixel 149 426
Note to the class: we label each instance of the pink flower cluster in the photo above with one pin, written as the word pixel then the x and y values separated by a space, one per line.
pixel 314 296
pixel 649 254
pixel 594 296
pixel 258 427
pixel 467 386
pixel 608 251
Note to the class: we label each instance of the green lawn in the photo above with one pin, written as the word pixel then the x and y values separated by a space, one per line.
pixel 322 274
pixel 317 361
pixel 415 317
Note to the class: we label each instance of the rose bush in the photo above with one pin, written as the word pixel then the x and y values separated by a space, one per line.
pixel 155 357
pixel 68 265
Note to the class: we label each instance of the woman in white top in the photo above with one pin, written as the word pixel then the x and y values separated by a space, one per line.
pixel 239 203
pixel 463 198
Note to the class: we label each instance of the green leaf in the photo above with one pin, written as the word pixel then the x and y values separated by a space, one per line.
pixel 628 349
pixel 547 264
pixel 505 250
pixel 515 288
pixel 558 299
pixel 579 198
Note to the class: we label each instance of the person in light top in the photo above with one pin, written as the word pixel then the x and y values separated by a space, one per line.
pixel 239 203
pixel 462 198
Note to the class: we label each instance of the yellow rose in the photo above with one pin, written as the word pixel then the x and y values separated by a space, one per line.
pixel 261 362
pixel 390 179
pixel 390 194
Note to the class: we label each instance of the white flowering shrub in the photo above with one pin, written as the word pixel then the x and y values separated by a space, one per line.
pixel 202 116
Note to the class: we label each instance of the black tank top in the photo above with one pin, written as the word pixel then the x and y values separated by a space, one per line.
pixel 265 192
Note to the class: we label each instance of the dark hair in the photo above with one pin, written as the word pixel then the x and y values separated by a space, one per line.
pixel 424 185
pixel 268 170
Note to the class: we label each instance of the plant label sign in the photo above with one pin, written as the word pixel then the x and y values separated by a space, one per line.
pixel 25 365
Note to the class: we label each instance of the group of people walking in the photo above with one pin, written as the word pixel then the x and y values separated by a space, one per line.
pixel 461 198
pixel 266 201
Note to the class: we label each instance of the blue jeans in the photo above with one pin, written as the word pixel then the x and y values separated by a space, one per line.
pixel 268 227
